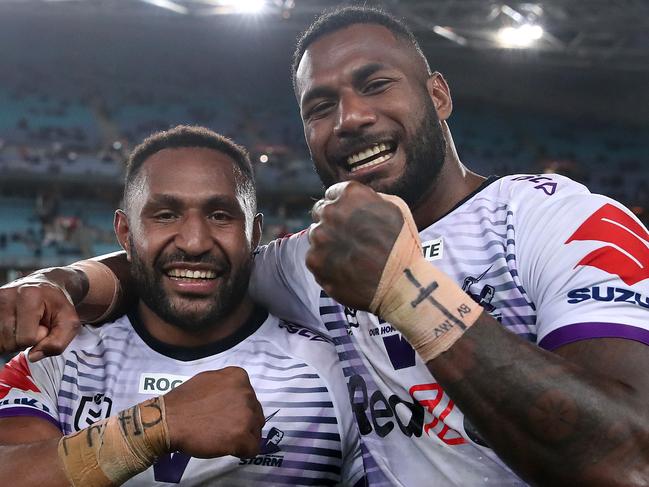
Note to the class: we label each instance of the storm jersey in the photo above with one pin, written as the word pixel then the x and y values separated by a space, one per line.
pixel 550 261
pixel 309 437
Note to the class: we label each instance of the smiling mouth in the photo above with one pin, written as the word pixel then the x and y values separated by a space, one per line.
pixel 188 274
pixel 371 156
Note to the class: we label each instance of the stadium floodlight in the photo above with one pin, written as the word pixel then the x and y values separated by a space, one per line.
pixel 519 37
pixel 250 6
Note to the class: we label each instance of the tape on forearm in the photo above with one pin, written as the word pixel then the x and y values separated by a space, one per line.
pixel 104 290
pixel 111 451
pixel 418 299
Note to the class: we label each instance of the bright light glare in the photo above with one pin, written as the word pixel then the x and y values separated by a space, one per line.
pixel 250 6
pixel 263 158
pixel 522 36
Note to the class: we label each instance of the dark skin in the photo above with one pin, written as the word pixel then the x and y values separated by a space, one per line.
pixel 186 202
pixel 575 416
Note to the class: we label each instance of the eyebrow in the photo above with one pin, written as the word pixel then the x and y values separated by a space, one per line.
pixel 170 201
pixel 358 75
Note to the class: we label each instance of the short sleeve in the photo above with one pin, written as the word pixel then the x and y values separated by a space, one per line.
pixel 282 283
pixel 585 263
pixel 28 389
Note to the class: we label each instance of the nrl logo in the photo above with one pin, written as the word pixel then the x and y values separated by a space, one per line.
pixel 92 409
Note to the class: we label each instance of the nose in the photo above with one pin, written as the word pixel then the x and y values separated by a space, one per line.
pixel 354 114
pixel 194 236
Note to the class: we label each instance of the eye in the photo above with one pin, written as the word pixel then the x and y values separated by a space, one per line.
pixel 377 86
pixel 220 216
pixel 320 109
pixel 165 215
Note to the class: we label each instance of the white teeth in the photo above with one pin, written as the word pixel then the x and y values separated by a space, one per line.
pixel 376 161
pixel 369 152
pixel 189 274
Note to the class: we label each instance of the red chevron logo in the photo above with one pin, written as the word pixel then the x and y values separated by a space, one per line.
pixel 16 374
pixel 628 254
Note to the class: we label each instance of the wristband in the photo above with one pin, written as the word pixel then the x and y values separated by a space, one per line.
pixel 113 450
pixel 103 288
pixel 418 299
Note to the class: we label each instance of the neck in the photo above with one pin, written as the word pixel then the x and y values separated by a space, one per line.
pixel 453 183
pixel 176 336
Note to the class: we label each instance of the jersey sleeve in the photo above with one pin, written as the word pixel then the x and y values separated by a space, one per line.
pixel 584 260
pixel 29 389
pixel 282 283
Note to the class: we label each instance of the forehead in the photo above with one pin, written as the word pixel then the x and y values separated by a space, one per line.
pixel 189 172
pixel 340 52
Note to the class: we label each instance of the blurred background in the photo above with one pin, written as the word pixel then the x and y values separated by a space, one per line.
pixel 544 86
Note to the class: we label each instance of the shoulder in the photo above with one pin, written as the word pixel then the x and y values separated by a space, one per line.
pixel 525 189
pixel 301 343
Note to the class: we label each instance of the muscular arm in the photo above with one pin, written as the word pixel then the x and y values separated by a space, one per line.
pixel 22 440
pixel 77 284
pixel 34 310
pixel 574 417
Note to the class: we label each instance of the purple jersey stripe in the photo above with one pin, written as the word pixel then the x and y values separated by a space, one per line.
pixel 584 331
pixel 35 413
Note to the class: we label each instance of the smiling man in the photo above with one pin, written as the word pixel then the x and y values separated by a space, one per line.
pixel 512 351
pixel 189 228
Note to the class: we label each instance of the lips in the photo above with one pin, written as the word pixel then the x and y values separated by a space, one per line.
pixel 182 273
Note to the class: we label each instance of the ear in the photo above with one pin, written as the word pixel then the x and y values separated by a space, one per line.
pixel 120 223
pixel 257 228
pixel 440 94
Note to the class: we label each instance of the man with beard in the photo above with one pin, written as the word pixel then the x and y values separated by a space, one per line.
pixel 175 365
pixel 549 382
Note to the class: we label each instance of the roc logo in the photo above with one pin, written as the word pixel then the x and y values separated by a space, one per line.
pixel 269 448
pixel 151 383
pixel 627 252
pixel 92 409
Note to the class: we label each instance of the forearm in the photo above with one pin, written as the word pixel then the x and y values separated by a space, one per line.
pixel 33 464
pixel 86 291
pixel 552 421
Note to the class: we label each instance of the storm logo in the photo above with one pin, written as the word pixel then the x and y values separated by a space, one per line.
pixel 627 256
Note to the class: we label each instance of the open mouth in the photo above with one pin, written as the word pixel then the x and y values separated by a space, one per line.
pixel 191 275
pixel 371 156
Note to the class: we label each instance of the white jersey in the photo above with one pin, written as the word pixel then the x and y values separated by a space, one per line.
pixel 309 437
pixel 550 261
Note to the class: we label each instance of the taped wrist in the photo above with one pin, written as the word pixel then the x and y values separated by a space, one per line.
pixel 418 299
pixel 111 451
pixel 104 290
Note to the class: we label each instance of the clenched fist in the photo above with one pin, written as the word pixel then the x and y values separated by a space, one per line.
pixel 215 413
pixel 350 243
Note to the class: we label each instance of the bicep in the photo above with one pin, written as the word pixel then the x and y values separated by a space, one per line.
pixel 622 360
pixel 24 429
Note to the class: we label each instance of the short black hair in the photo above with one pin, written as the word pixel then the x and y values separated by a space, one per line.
pixel 332 20
pixel 192 136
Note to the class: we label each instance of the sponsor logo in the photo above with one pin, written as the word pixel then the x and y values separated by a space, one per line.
pixel 269 448
pixel 543 183
pixel 608 293
pixel 303 332
pixel 433 249
pixel 92 409
pixel 25 401
pixel 412 417
pixel 627 252
pixel 151 383
pixel 16 375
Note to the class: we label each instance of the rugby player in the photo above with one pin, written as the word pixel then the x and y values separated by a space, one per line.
pixel 547 385
pixel 189 228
